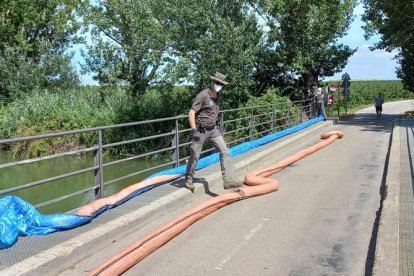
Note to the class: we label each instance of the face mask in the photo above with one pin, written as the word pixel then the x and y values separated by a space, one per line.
pixel 217 87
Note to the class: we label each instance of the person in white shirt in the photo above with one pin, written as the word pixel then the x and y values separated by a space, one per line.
pixel 378 101
pixel 320 105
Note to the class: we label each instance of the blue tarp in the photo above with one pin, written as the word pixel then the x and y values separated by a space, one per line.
pixel 20 218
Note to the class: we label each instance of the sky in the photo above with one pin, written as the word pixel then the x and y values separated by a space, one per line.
pixel 366 64
pixel 363 65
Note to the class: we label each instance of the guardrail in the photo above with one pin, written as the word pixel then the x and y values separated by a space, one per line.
pixel 236 125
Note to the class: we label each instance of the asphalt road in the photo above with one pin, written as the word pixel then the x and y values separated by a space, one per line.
pixel 320 222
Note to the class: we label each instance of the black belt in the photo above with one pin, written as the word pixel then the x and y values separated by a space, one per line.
pixel 206 127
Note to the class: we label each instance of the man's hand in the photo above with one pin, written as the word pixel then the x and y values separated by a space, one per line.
pixel 196 135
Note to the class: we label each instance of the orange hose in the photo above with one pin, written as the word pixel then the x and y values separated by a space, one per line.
pixel 258 184
pixel 89 209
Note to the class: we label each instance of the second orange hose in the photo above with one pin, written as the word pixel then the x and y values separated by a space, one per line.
pixel 257 183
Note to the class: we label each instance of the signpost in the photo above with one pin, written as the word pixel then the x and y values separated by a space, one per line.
pixel 339 98
pixel 345 92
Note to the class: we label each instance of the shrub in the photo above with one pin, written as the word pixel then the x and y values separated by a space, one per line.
pixel 53 111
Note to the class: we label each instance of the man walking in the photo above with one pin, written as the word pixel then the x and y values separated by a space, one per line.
pixel 203 117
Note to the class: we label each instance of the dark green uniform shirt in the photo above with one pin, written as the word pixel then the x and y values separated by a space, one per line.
pixel 206 108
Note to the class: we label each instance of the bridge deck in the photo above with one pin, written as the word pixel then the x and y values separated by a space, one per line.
pixel 33 246
pixel 27 247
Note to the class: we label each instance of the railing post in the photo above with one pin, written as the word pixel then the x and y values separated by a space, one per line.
pixel 338 104
pixel 288 115
pixel 176 144
pixel 273 119
pixel 313 108
pixel 98 161
pixel 222 123
pixel 301 112
pixel 251 125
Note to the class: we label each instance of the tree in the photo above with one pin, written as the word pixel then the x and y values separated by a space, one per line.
pixel 129 42
pixel 305 34
pixel 35 34
pixel 19 74
pixel 145 42
pixel 391 20
pixel 28 24
pixel 230 44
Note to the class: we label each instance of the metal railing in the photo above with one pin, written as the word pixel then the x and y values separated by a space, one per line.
pixel 236 125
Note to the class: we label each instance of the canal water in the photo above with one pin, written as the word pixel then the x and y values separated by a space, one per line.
pixel 26 173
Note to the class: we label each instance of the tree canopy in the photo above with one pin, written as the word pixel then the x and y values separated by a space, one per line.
pixel 303 36
pixel 391 20
pixel 151 42
pixel 35 36
pixel 28 24
pixel 135 44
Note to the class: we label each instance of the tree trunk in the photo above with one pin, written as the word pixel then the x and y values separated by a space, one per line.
pixel 139 86
pixel 138 82
pixel 311 83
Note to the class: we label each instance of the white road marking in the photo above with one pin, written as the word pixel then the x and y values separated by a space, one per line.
pixel 242 243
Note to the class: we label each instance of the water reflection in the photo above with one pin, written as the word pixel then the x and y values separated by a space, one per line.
pixel 26 173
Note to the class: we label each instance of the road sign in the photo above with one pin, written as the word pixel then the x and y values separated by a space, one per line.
pixel 346 80
pixel 345 76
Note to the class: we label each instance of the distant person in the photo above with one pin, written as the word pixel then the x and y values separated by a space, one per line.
pixel 203 117
pixel 330 103
pixel 320 104
pixel 378 101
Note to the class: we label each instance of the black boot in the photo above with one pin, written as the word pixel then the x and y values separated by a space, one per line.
pixel 189 184
pixel 229 184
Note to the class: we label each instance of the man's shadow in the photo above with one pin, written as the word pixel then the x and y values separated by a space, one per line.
pixel 179 183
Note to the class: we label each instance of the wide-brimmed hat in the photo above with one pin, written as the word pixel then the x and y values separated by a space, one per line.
pixel 219 77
